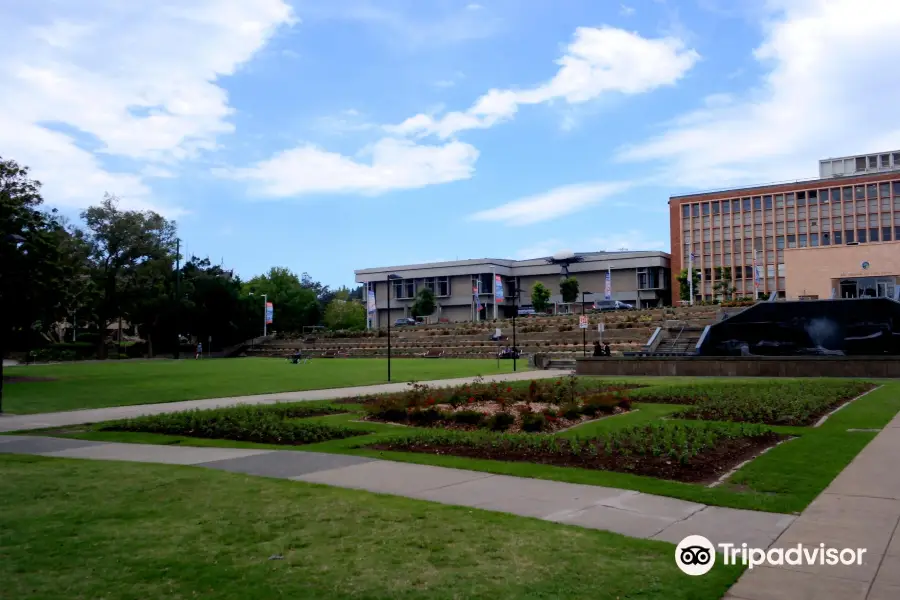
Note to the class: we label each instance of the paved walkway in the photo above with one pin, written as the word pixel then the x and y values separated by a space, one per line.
pixel 97 415
pixel 860 509
pixel 622 511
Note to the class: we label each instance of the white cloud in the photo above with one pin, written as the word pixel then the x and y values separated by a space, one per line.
pixel 626 11
pixel 474 6
pixel 828 92
pixel 597 61
pixel 634 240
pixel 392 165
pixel 133 80
pixel 552 204
pixel 347 121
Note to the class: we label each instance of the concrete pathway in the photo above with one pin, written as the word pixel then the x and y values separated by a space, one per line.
pixel 860 509
pixel 97 415
pixel 622 511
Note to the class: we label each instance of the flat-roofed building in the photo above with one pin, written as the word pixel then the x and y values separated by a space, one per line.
pixel 856 202
pixel 637 278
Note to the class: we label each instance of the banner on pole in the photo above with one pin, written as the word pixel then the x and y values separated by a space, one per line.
pixel 600 327
pixel 583 322
pixel 608 292
pixel 478 306
pixel 498 288
pixel 371 302
pixel 270 312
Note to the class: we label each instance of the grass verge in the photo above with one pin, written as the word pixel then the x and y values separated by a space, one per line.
pixel 82 529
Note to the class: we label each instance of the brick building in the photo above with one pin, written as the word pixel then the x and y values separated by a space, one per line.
pixel 850 212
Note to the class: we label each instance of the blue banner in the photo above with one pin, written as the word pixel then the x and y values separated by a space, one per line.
pixel 270 312
pixel 608 292
pixel 498 288
pixel 371 302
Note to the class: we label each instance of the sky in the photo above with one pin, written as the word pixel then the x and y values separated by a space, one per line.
pixel 333 135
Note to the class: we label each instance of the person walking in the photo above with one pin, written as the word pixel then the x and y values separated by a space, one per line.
pixel 199 350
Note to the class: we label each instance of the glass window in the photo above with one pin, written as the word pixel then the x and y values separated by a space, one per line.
pixel 779 242
pixel 726 206
pixel 873 162
pixel 715 207
pixel 757 203
pixel 849 236
pixel 873 234
pixel 685 210
pixel 802 241
pixel 859 192
pixel 745 204
pixel 789 199
pixel 826 239
pixel 779 200
pixel 885 234
pixel 871 191
pixel 735 206
pixel 813 196
pixel 884 189
pixel 896 185
pixel 847 193
pixel 792 241
pixel 897 232
pixel 861 163
pixel 695 210
pixel 768 201
pixel 861 236
pixel 814 239
pixel 838 237
pixel 748 271
pixel 443 286
pixel 835 194
pixel 705 208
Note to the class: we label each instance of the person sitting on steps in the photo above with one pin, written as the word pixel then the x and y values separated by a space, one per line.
pixel 606 350
pixel 598 349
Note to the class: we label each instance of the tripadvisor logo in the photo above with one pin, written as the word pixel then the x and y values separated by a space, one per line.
pixel 696 555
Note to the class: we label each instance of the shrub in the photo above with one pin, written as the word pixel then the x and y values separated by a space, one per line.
pixel 468 417
pixel 426 417
pixel 533 422
pixel 501 421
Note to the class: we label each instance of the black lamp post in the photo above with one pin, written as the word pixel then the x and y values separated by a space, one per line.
pixel 17 241
pixel 584 331
pixel 390 279
pixel 516 293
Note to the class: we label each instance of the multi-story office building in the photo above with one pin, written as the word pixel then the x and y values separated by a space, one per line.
pixel 637 278
pixel 794 232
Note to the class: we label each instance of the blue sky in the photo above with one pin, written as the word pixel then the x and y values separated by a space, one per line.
pixel 331 135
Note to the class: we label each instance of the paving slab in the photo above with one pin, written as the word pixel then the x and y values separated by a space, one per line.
pixel 401 479
pixel 883 591
pixel 848 510
pixel 729 525
pixel 285 464
pixel 617 520
pixel 654 505
pixel 147 453
pixel 769 583
pixel 496 487
pixel 41 445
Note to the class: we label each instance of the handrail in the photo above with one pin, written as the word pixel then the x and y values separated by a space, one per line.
pixel 702 337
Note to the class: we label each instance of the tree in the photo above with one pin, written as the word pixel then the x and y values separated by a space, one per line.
pixel 725 286
pixel 131 252
pixel 296 305
pixel 345 314
pixel 424 304
pixel 540 297
pixel 569 289
pixel 684 286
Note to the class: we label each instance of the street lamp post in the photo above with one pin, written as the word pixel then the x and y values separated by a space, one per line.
pixel 17 241
pixel 584 331
pixel 265 313
pixel 390 278
pixel 516 293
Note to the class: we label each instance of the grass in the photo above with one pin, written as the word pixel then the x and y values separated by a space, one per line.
pixel 103 384
pixel 784 480
pixel 82 529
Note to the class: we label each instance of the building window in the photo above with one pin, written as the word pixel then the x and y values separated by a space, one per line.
pixel 896 184
pixel 838 238
pixel 873 234
pixel 813 196
pixel 779 200
pixel 861 236
pixel 685 210
pixel 826 239
pixel 847 193
pixel 695 210
pixel 873 162
pixel 885 234
pixel 779 242
pixel 757 203
pixel 715 208
pixel 789 199
pixel 726 206
pixel 428 283
pixel 745 204
pixel 748 271
pixel 814 239
pixel 768 202
pixel 801 198
pixel 792 241
pixel 849 236
pixel 884 189
pixel 410 288
pixel 802 241
pixel 735 205
pixel 707 274
pixel 860 163
pixel 859 192
pixel 835 194
pixel 705 208
pixel 897 232
pixel 443 286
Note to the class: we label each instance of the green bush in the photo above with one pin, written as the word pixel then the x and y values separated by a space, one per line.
pixel 272 424
pixel 468 417
pixel 501 421
pixel 534 422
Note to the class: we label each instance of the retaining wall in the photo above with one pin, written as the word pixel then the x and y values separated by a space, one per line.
pixel 740 366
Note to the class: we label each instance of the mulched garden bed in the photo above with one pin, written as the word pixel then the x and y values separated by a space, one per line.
pixel 705 466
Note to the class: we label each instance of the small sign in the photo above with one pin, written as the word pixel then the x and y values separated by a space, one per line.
pixel 210 339
pixel 583 322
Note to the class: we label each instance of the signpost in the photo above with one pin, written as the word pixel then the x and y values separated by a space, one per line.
pixel 583 325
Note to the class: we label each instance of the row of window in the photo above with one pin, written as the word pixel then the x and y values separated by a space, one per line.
pixel 407 288
pixel 801 198
pixel 860 207
pixel 859 235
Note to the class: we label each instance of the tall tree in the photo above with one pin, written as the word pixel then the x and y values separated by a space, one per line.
pixel 568 287
pixel 131 252
pixel 540 297
pixel 424 304
pixel 296 305
pixel 345 314
pixel 685 286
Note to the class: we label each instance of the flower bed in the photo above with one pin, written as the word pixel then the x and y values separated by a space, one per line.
pixel 797 403
pixel 541 406
pixel 680 452
pixel 273 424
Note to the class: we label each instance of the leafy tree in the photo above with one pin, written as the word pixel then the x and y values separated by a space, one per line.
pixel 345 314
pixel 130 252
pixel 540 297
pixel 684 286
pixel 568 287
pixel 424 304
pixel 296 305
pixel 725 286
pixel 40 258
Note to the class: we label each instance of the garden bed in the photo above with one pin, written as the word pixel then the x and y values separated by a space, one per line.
pixel 689 453
pixel 793 403
pixel 539 407
pixel 272 424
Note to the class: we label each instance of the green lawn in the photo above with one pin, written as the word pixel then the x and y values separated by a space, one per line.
pixel 102 384
pixel 84 530
pixel 785 480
